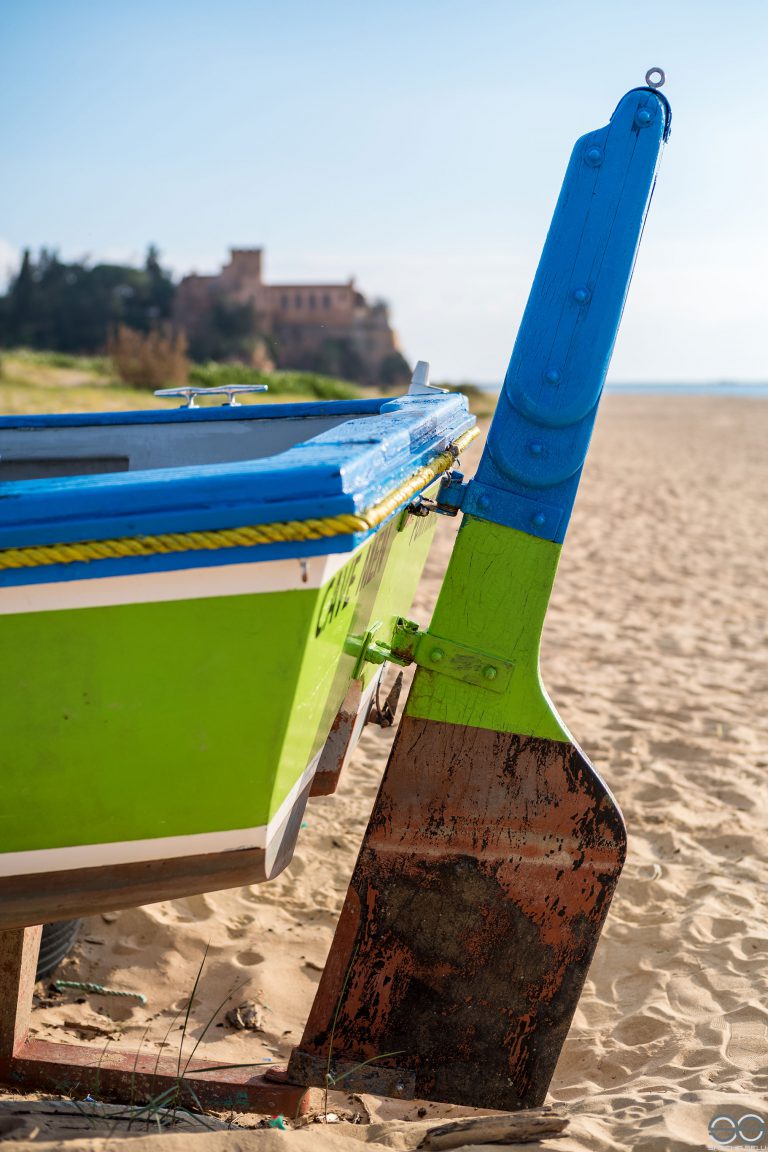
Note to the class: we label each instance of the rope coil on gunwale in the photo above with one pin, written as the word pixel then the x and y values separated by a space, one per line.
pixel 277 533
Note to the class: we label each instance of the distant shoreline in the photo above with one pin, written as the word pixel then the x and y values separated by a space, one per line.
pixel 724 388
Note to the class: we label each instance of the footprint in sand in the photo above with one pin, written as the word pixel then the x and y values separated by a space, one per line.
pixel 747 1037
pixel 249 959
pixel 239 926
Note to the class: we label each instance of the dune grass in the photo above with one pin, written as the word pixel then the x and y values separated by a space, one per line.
pixel 37 382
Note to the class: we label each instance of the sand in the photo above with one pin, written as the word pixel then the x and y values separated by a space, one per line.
pixel 655 654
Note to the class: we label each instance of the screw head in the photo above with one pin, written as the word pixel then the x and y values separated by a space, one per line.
pixel 490 673
pixel 581 295
pixel 552 376
pixel 437 655
pixel 539 519
pixel 536 447
pixel 594 157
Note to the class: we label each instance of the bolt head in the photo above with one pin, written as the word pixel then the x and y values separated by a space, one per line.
pixel 552 376
pixel 490 673
pixel 484 502
pixel 536 447
pixel 643 116
pixel 581 295
pixel 594 157
pixel 437 655
pixel 539 519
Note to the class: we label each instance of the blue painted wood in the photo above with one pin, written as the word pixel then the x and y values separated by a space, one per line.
pixel 346 469
pixel 530 470
pixel 202 415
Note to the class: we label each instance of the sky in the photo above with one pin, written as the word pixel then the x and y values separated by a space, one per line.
pixel 418 146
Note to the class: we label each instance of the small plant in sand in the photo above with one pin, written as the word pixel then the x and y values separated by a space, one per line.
pixel 149 359
pixel 171 1106
pixel 332 1081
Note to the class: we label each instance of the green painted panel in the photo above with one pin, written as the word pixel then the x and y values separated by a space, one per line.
pixel 494 598
pixel 376 586
pixel 147 720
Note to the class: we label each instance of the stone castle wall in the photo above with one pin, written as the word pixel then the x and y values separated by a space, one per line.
pixel 298 319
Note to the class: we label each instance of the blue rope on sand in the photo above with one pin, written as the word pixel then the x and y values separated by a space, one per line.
pixel 60 985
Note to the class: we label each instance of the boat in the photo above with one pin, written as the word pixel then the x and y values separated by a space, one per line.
pixel 188 645
pixel 183 594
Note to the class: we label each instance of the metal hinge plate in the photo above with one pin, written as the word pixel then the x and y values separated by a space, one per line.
pixel 439 654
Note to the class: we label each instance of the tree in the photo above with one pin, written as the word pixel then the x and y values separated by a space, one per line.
pixel 74 307
pixel 161 286
pixel 394 369
pixel 226 331
pixel 337 357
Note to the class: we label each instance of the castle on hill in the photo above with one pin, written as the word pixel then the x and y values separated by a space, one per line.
pixel 322 327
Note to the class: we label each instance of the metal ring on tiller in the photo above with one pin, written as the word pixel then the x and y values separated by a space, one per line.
pixel 655 72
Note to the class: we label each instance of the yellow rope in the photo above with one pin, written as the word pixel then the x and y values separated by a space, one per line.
pixel 286 530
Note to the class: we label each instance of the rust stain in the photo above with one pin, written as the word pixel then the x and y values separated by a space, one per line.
pixel 477 900
pixel 338 744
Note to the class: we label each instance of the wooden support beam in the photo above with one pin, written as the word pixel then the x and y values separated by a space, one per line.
pixel 131 1077
pixel 19 950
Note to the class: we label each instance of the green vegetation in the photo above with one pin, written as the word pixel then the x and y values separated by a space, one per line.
pixel 67 311
pixel 98 365
pixel 227 331
pixel 481 401
pixel 38 381
pixel 74 308
pixel 395 370
pixel 149 359
pixel 298 384
pixel 32 380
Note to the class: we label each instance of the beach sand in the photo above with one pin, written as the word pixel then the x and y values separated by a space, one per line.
pixel 654 652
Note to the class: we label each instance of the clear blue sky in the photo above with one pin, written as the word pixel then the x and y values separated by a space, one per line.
pixel 417 145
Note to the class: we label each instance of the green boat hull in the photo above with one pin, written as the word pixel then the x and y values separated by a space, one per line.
pixel 177 725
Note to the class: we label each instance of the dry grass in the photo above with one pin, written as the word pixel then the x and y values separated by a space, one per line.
pixel 149 359
pixel 37 382
pixel 47 382
pixel 29 384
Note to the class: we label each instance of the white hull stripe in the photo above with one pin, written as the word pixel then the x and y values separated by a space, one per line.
pixel 181 584
pixel 158 848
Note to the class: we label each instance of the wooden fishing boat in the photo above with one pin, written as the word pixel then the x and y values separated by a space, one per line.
pixel 180 597
pixel 493 848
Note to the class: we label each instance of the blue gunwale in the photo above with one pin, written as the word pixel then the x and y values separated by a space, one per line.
pixel 183 415
pixel 346 469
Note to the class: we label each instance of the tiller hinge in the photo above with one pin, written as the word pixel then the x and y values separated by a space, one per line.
pixel 411 645
pixel 490 503
pixel 448 499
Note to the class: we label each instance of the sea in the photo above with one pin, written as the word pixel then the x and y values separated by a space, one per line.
pixel 715 388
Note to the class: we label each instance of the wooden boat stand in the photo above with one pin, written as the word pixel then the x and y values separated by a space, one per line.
pixel 33 1065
